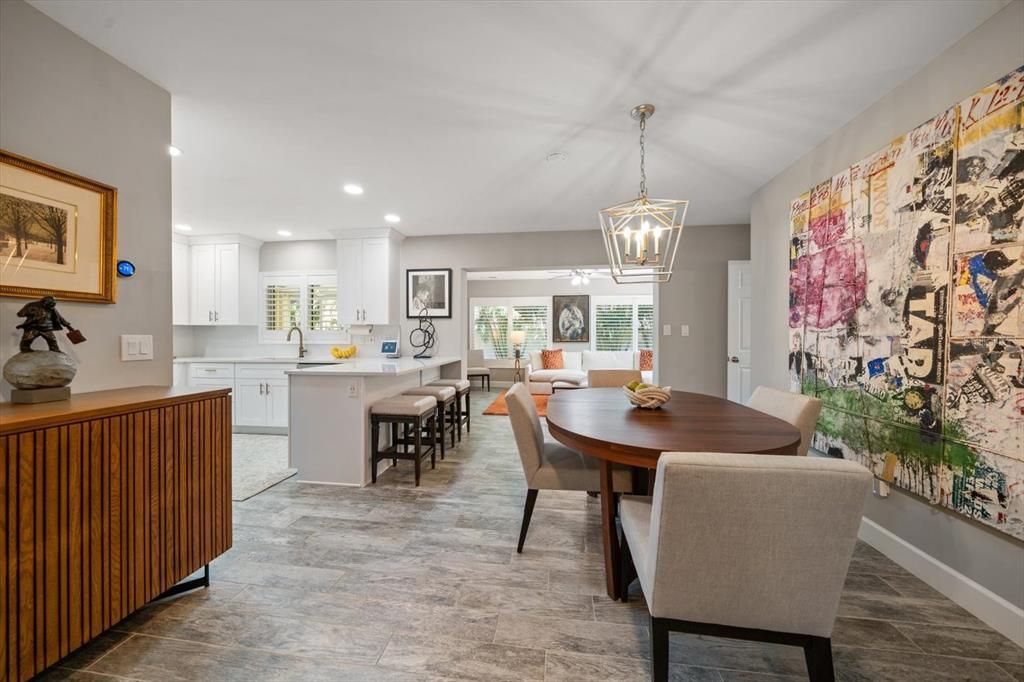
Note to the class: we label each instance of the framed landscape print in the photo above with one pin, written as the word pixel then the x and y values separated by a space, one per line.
pixel 570 319
pixel 58 233
pixel 428 292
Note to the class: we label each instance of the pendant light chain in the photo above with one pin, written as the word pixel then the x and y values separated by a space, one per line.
pixel 643 168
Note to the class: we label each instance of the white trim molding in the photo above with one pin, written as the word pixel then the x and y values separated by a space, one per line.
pixel 1001 615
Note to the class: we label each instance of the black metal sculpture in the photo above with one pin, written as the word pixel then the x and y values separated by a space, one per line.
pixel 423 337
pixel 42 320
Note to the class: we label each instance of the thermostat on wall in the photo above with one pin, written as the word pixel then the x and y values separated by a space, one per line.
pixel 389 348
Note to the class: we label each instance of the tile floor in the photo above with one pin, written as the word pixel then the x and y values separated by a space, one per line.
pixel 392 582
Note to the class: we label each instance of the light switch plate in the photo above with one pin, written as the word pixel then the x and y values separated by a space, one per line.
pixel 684 330
pixel 136 347
pixel 666 330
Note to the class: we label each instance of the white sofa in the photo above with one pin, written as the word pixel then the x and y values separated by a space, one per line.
pixel 576 365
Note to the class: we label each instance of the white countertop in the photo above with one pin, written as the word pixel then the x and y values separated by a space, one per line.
pixel 376 367
pixel 288 360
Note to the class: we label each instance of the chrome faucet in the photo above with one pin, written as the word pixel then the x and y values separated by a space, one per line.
pixel 302 348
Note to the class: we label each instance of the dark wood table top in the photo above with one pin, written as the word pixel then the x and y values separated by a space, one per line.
pixel 96 404
pixel 600 422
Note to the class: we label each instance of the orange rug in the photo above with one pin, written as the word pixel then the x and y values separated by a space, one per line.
pixel 500 407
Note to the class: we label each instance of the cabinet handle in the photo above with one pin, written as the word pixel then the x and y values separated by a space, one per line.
pixel 210 316
pixel 261 388
pixel 216 316
pixel 268 389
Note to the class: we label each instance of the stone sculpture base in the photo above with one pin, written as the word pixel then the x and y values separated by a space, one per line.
pixel 40 395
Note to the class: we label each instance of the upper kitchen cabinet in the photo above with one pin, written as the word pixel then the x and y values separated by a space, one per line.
pixel 369 287
pixel 223 280
pixel 181 284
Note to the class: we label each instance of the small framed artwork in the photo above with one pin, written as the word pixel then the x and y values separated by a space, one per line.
pixel 58 233
pixel 428 292
pixel 570 321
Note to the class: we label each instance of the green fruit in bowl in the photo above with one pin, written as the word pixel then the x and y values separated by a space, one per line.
pixel 633 385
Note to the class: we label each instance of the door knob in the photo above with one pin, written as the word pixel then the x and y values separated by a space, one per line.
pixel 733 358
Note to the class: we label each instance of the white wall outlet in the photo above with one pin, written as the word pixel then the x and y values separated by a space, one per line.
pixel 353 390
pixel 666 330
pixel 684 330
pixel 136 347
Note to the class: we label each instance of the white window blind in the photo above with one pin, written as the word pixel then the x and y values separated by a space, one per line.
pixel 613 326
pixel 308 301
pixel 645 325
pixel 490 330
pixel 532 319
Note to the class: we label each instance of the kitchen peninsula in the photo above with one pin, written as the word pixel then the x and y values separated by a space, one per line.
pixel 329 407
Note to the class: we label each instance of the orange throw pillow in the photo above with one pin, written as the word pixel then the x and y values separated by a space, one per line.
pixel 647 360
pixel 552 359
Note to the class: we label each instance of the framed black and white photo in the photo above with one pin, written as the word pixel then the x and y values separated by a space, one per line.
pixel 428 291
pixel 570 319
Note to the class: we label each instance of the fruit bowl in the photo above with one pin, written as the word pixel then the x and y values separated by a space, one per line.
pixel 648 397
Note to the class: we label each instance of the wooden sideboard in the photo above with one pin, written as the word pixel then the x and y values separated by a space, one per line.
pixel 106 500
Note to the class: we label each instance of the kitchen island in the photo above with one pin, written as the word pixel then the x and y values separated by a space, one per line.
pixel 329 407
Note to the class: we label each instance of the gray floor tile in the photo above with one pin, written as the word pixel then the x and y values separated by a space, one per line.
pixel 965 642
pixel 867 665
pixel 463 659
pixel 572 636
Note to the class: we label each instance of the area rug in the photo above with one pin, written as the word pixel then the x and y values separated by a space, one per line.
pixel 500 407
pixel 257 462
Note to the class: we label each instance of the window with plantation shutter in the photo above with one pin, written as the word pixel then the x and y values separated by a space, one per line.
pixel 613 326
pixel 644 325
pixel 490 330
pixel 533 320
pixel 308 301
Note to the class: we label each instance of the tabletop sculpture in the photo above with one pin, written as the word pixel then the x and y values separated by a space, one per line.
pixel 40 376
pixel 423 336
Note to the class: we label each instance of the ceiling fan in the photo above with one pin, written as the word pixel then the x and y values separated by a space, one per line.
pixel 576 276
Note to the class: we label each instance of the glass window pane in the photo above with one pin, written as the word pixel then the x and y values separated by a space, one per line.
pixel 490 330
pixel 613 326
pixel 323 307
pixel 282 307
pixel 532 319
pixel 645 325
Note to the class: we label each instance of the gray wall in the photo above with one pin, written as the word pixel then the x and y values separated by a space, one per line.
pixel 696 296
pixel 65 103
pixel 320 254
pixel 989 52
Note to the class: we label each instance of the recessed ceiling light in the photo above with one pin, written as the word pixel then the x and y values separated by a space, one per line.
pixel 173 151
pixel 555 157
pixel 392 218
pixel 353 189
pixel 183 228
pixel 285 233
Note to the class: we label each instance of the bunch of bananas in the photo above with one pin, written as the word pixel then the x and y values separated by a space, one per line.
pixel 343 353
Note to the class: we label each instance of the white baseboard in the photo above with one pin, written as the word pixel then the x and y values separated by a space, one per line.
pixel 988 606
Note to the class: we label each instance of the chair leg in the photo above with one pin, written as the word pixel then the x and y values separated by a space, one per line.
pixel 818 655
pixel 374 449
pixel 418 452
pixel 453 412
pixel 468 413
pixel 659 650
pixel 627 571
pixel 439 427
pixel 531 499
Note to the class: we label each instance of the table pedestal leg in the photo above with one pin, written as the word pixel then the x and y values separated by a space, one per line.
pixel 611 537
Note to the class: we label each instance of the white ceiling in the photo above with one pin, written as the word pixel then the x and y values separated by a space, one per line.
pixel 445 111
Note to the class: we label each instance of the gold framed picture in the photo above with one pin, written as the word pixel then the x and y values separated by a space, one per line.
pixel 58 233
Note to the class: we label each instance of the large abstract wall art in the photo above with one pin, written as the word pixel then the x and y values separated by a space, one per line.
pixel 906 308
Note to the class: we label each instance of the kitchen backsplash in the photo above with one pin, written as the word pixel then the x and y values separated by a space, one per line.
pixel 244 341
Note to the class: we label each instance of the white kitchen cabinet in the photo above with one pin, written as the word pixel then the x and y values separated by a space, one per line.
pixel 368 287
pixel 250 403
pixel 277 402
pixel 181 283
pixel 223 283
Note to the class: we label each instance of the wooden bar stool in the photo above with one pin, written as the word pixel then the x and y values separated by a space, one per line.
pixel 413 415
pixel 447 416
pixel 461 387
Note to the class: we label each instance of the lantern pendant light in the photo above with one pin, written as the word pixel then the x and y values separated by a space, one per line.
pixel 642 235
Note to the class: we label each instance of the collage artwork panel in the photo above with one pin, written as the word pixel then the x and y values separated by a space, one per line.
pixel 906 308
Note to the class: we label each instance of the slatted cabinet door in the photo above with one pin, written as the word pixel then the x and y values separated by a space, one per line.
pixel 106 501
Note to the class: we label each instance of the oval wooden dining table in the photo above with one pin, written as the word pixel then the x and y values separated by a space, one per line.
pixel 600 422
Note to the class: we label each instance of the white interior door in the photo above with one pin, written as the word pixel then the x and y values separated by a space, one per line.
pixel 738 351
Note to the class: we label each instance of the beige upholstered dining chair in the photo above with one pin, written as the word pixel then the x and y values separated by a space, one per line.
pixel 476 368
pixel 749 547
pixel 612 378
pixel 548 465
pixel 799 410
